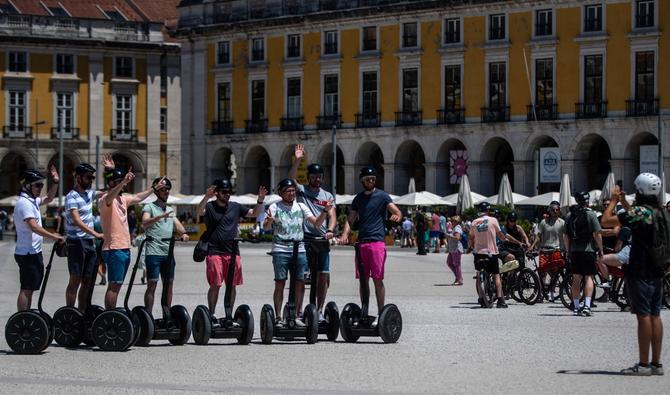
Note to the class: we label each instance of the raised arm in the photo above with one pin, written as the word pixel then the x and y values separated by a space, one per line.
pixel 299 153
pixel 139 197
pixel 114 192
pixel 51 193
pixel 609 217
pixel 209 193
pixel 256 211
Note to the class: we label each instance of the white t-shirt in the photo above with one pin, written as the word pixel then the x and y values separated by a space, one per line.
pixel 27 242
pixel 287 225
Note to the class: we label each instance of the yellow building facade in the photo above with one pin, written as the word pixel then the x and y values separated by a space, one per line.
pixel 413 85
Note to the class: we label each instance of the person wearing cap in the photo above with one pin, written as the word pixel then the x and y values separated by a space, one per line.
pixel 113 206
pixel 548 240
pixel 159 223
pixel 80 236
pixel 316 198
pixel 370 207
pixel 287 218
pixel 30 233
pixel 222 219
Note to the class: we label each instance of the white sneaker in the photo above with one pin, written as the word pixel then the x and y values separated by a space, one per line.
pixel 657 370
pixel 637 370
pixel 321 317
pixel 299 323
pixel 375 322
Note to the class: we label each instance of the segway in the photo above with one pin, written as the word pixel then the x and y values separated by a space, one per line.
pixel 239 326
pixel 31 331
pixel 289 328
pixel 175 326
pixel 331 314
pixel 356 322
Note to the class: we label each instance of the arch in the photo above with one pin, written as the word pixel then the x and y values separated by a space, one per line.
pixel 592 162
pixel 633 146
pixel 369 154
pixel 497 158
pixel 446 184
pixel 70 160
pixel 257 170
pixel 533 147
pixel 11 167
pixel 223 165
pixel 409 163
pixel 325 159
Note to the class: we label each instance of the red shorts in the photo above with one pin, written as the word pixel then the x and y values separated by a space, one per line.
pixel 551 262
pixel 217 269
pixel 373 255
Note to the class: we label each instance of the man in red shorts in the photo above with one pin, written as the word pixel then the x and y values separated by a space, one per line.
pixel 549 237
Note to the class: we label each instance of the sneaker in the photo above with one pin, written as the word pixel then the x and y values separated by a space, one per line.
pixel 279 323
pixel 637 370
pixel 656 369
pixel 321 317
pixel 501 304
pixel 576 312
pixel 586 311
pixel 375 322
pixel 299 323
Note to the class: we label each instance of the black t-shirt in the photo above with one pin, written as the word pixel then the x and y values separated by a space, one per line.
pixel 640 220
pixel 222 226
pixel 420 221
pixel 371 211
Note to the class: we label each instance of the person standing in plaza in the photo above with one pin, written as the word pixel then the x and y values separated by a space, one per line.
pixel 222 219
pixel 420 226
pixel 370 207
pixel 548 240
pixel 435 232
pixel 407 229
pixel 455 249
pixel 30 233
pixel 645 271
pixel 316 199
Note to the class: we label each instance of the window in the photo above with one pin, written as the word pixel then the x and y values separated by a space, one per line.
pixel 257 100
pixel 593 18
pixel 330 43
pixel 293 46
pixel 369 93
pixel 17 110
pixel 163 119
pixel 293 97
pixel 410 90
pixel 124 115
pixel 370 38
pixel 115 16
pixel 124 67
pixel 223 52
pixel 497 27
pixel 497 85
pixel 330 94
pixel 543 23
pixel 452 31
pixel 257 50
pixel 452 88
pixel 64 64
pixel 64 111
pixel 18 62
pixel 58 11
pixel 645 13
pixel 410 35
pixel 644 76
pixel 593 79
pixel 223 104
pixel 544 82
pixel 8 9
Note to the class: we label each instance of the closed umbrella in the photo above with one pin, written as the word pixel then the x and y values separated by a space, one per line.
pixel 606 192
pixel 464 201
pixel 412 185
pixel 505 197
pixel 565 196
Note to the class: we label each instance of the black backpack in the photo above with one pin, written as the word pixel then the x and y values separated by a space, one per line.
pixel 659 250
pixel 578 226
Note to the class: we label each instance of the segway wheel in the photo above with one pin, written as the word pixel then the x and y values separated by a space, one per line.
pixel 182 319
pixel 390 323
pixel 267 324
pixel 332 316
pixel 27 332
pixel 113 331
pixel 92 312
pixel 350 315
pixel 50 325
pixel 69 326
pixel 146 325
pixel 201 325
pixel 311 317
pixel 245 318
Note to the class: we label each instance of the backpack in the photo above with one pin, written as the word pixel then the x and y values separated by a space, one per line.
pixel 578 227
pixel 659 250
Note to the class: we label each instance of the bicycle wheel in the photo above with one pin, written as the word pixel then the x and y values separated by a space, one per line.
pixel 565 291
pixel 598 290
pixel 666 290
pixel 482 289
pixel 528 286
pixel 620 295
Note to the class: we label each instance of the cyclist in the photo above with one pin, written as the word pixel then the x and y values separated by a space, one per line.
pixel 316 199
pixel 548 238
pixel 610 241
pixel 516 240
pixel 584 244
pixel 482 241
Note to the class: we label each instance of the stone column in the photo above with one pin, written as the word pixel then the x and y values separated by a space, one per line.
pixel 523 178
pixel 174 114
pixel 431 177
pixel 95 108
pixel 153 117
pixel 186 133
pixel 389 177
pixel 350 179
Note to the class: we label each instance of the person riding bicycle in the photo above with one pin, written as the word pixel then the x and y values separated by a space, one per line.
pixel 548 240
pixel 482 241
pixel 516 241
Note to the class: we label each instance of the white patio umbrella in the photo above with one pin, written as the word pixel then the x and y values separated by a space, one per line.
pixel 505 196
pixel 464 201
pixel 9 200
pixel 564 194
pixel 452 200
pixel 190 200
pixel 516 197
pixel 543 200
pixel 594 196
pixel 172 199
pixel 344 199
pixel 606 192
pixel 419 199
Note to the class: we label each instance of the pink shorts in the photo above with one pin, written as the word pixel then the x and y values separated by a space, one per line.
pixel 373 255
pixel 217 269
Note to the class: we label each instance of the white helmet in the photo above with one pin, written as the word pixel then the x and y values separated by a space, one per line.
pixel 647 184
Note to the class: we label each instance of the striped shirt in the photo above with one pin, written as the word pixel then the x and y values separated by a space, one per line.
pixel 84 204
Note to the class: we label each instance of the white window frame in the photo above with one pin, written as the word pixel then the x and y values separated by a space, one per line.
pixel 533 75
pixel 73 108
pixel 286 47
pixel 251 50
pixel 443 78
pixel 133 113
pixel 323 42
pixel 634 14
pixel 582 73
pixel 286 107
pixel 362 39
pixel 363 70
pixel 26 106
pixel 633 72
pixel 488 27
pixel 603 13
pixel 221 80
pixel 230 53
pixel 402 68
pixel 132 63
pixel 496 59
pixel 534 22
pixel 253 78
pixel 402 34
pixel 325 73
pixel 445 20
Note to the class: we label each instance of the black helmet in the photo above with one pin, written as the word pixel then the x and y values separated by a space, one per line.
pixel 114 174
pixel 30 176
pixel 368 171
pixel 582 197
pixel 222 185
pixel 285 183
pixel 315 168
pixel 496 212
pixel 511 216
pixel 83 168
pixel 554 203
pixel 168 183
pixel 484 207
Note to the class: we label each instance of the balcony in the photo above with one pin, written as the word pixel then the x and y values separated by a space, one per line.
pixel 368 120
pixel 257 55
pixel 591 110
pixel 542 112
pixel 495 114
pixel 497 33
pixel 450 116
pixel 452 37
pixel 644 20
pixel 130 31
pixel 408 118
pixel 289 124
pixel 641 108
pixel 543 29
pixel 123 135
pixel 330 48
pixel 68 133
pixel 222 127
pixel 259 125
pixel 328 121
pixel 17 132
pixel 593 25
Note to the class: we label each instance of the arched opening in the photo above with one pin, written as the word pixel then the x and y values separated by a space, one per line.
pixel 497 159
pixel 592 163
pixel 257 170
pixel 325 159
pixel 409 163
pixel 534 150
pixel 11 167
pixel 371 155
pixel 66 174
pixel 223 166
pixel 452 160
pixel 125 162
pixel 633 149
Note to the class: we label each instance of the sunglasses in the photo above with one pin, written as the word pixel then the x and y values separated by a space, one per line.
pixel 90 178
pixel 224 191
pixel 38 184
pixel 369 179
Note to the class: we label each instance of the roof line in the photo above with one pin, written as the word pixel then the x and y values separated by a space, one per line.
pixel 138 10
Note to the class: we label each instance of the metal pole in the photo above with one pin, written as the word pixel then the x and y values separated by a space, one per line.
pixel 530 86
pixel 97 161
pixel 334 169
pixel 60 165
pixel 661 173
pixel 37 133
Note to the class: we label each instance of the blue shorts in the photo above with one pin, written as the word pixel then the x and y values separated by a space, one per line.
pixel 280 261
pixel 645 296
pixel 157 266
pixel 117 262
pixel 322 257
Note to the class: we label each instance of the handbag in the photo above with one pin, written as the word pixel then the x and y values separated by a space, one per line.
pixel 202 246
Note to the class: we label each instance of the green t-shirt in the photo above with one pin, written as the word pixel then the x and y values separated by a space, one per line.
pixel 162 229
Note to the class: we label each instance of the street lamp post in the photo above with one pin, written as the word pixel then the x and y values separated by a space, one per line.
pixel 334 169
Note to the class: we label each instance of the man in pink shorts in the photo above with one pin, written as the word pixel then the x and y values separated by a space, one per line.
pixel 222 218
pixel 370 207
